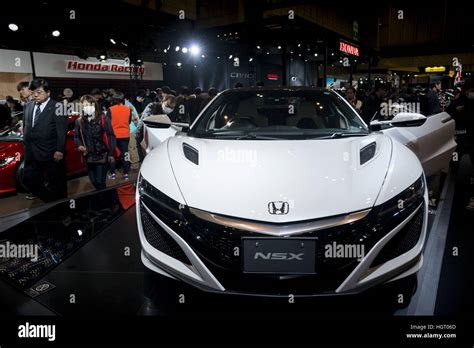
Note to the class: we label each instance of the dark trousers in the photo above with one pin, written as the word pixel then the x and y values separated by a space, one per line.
pixel 122 144
pixel 139 139
pixel 46 179
pixel 97 174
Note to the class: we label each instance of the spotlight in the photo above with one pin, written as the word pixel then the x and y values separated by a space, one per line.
pixel 177 48
pixel 250 59
pixel 165 50
pixel 258 47
pixel 195 50
pixel 179 64
pixel 315 54
pixel 123 43
pixel 279 47
pixel 202 55
pixel 218 57
pixel 113 41
pixel 102 57
pixel 56 33
pixel 236 59
pixel 299 45
pixel 13 27
pixel 184 50
pixel 230 57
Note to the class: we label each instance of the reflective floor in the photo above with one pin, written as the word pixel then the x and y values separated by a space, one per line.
pixel 89 264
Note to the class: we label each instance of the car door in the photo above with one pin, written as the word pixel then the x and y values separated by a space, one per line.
pixel 433 142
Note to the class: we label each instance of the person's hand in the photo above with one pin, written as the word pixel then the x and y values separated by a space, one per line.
pixel 111 159
pixel 58 156
pixel 82 148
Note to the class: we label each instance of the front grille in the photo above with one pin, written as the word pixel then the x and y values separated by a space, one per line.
pixel 403 241
pixel 159 238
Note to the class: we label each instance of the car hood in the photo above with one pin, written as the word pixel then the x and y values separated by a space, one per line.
pixel 317 178
pixel 10 148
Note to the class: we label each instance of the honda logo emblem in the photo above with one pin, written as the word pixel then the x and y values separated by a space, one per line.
pixel 278 208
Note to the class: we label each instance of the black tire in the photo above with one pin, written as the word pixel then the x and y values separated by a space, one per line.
pixel 19 183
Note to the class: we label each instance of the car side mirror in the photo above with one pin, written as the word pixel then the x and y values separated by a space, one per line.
pixel 162 121
pixel 402 119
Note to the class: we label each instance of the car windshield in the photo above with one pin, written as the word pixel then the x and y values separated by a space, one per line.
pixel 278 114
pixel 11 133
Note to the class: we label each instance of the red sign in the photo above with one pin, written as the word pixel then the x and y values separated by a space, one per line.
pixel 348 48
pixel 273 76
pixel 100 68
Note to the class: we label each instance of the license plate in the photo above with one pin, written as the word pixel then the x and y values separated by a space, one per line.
pixel 279 255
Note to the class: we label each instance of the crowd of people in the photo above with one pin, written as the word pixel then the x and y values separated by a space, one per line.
pixel 107 131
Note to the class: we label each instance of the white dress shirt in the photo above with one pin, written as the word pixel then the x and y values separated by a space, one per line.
pixel 41 106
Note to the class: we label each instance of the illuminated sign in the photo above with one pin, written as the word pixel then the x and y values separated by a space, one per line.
pixel 273 76
pixel 100 68
pixel 348 48
pixel 435 69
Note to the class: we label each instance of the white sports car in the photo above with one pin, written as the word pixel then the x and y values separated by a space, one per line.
pixel 277 191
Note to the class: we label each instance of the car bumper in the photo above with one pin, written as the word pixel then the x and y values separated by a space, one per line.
pixel 191 267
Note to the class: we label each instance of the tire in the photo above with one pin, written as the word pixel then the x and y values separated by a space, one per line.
pixel 19 183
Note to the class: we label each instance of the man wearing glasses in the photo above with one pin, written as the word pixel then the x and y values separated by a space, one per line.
pixel 45 141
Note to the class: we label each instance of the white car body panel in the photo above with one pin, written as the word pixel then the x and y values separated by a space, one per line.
pixel 240 178
pixel 433 142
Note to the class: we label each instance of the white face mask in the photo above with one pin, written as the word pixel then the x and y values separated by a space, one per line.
pixel 166 109
pixel 89 110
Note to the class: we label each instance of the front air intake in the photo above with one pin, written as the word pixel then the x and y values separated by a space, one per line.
pixel 191 153
pixel 367 153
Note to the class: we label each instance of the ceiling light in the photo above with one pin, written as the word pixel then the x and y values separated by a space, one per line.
pixel 195 50
pixel 56 33
pixel 13 27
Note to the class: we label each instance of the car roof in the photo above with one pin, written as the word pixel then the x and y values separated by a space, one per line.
pixel 275 88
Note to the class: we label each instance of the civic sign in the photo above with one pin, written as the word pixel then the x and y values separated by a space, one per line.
pixel 101 68
pixel 348 48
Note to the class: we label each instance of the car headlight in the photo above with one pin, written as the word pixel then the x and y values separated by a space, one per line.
pixel 6 161
pixel 398 208
pixel 165 208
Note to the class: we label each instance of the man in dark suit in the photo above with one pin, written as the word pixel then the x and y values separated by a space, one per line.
pixel 45 128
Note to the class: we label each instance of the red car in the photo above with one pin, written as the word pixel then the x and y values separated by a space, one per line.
pixel 12 154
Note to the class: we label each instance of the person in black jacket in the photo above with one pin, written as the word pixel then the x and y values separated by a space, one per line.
pixel 89 134
pixel 371 104
pixel 432 99
pixel 461 110
pixel 44 130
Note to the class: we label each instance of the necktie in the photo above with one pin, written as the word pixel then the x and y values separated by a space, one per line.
pixel 37 112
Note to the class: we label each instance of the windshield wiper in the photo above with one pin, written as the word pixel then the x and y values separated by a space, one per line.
pixel 343 134
pixel 253 136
